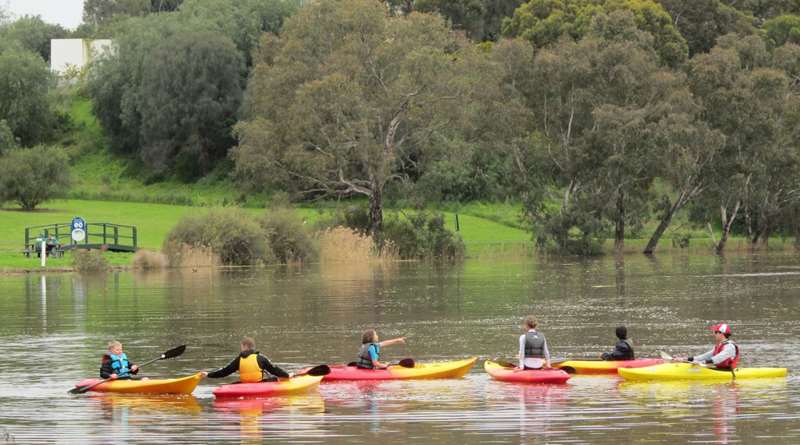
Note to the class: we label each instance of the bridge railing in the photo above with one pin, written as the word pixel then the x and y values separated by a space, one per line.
pixel 115 237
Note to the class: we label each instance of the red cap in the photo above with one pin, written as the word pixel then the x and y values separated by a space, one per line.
pixel 722 328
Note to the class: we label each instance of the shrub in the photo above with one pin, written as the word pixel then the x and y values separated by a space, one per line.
pixel 89 261
pixel 421 236
pixel 148 260
pixel 30 176
pixel 288 236
pixel 230 233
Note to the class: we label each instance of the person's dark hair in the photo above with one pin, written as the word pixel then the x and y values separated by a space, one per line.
pixel 248 343
pixel 368 336
pixel 622 332
pixel 726 335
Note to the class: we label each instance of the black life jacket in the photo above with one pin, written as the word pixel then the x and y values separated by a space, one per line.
pixel 364 360
pixel 534 345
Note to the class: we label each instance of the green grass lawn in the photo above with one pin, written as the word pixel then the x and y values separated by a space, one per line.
pixel 154 221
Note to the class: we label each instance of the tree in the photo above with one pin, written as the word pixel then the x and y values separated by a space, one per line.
pixel 31 176
pixel 33 34
pixel 783 29
pixel 480 19
pixel 601 103
pixel 747 101
pixel 701 22
pixel 122 101
pixel 189 97
pixel 25 81
pixel 765 9
pixel 7 139
pixel 242 20
pixel 344 96
pixel 688 150
pixel 544 22
pixel 103 12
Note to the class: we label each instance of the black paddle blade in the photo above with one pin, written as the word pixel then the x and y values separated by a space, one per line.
pixel 174 352
pixel 407 363
pixel 79 389
pixel 319 370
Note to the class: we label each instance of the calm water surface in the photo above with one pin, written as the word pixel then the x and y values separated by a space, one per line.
pixel 53 330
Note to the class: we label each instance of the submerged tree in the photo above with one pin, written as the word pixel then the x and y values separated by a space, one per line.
pixel 748 101
pixel 600 104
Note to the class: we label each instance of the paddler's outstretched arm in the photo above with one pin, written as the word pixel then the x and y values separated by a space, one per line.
pixel 394 341
pixel 232 367
pixel 266 365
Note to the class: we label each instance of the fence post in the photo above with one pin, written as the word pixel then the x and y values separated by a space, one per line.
pixel 458 226
pixel 116 235
pixel 105 229
pixel 133 232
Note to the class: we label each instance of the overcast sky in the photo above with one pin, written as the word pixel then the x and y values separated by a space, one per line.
pixel 66 13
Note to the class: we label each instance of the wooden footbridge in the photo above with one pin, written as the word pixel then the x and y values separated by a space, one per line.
pixel 58 237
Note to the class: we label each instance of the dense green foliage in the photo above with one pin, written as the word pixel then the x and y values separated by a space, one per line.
pixel 170 93
pixel 25 105
pixel 30 176
pixel 32 34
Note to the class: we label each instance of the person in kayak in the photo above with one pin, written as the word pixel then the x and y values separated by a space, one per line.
pixel 370 353
pixel 725 353
pixel 623 350
pixel 533 352
pixel 115 364
pixel 251 366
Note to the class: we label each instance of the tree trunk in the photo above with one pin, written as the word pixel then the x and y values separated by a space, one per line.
pixel 619 230
pixel 665 222
pixel 662 227
pixel 727 224
pixel 376 211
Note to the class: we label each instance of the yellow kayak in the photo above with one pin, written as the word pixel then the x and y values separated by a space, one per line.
pixel 281 387
pixel 604 366
pixel 441 370
pixel 687 371
pixel 183 385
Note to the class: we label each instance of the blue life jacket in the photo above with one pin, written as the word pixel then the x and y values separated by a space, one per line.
pixel 364 359
pixel 120 364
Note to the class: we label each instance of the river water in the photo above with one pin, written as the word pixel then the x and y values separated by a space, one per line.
pixel 53 330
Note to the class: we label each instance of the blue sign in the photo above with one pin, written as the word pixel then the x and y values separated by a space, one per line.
pixel 78 223
pixel 78 229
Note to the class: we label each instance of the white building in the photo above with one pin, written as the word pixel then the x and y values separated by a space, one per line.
pixel 76 53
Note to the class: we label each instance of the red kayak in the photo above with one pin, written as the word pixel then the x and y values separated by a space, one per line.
pixel 516 375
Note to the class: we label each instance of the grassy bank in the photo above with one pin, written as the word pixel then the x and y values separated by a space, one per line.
pixel 154 221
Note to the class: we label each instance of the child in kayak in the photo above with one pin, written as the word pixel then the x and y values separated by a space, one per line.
pixel 115 364
pixel 533 353
pixel 370 353
pixel 725 354
pixel 623 350
pixel 251 366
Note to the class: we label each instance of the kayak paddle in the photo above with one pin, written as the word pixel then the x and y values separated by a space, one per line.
pixel 405 363
pixel 316 371
pixel 670 358
pixel 174 352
